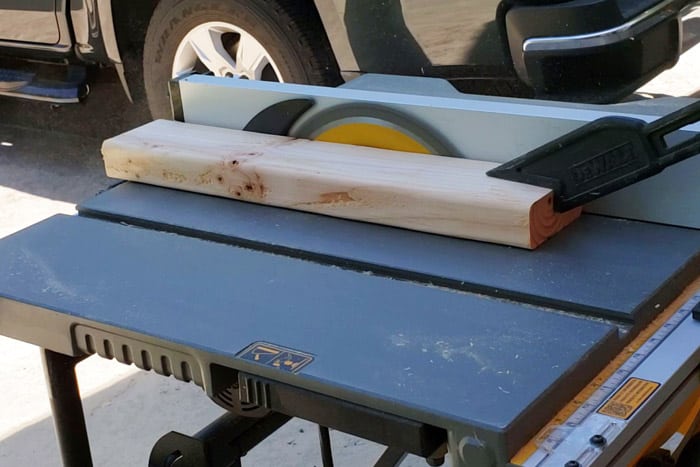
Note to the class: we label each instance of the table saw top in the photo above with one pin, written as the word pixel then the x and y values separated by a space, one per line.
pixel 448 332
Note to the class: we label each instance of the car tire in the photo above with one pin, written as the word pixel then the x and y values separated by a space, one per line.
pixel 289 32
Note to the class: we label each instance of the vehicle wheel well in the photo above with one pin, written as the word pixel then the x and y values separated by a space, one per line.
pixel 131 19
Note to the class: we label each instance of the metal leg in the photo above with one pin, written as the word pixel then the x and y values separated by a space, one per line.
pixel 326 453
pixel 391 457
pixel 67 408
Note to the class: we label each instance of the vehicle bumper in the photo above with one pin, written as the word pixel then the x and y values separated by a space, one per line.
pixel 598 54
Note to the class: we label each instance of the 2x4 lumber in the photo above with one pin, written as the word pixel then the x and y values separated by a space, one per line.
pixel 442 195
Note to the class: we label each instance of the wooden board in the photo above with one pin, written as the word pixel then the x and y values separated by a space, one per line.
pixel 443 195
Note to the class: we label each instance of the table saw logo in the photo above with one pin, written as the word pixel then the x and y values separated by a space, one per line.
pixel 275 356
pixel 603 164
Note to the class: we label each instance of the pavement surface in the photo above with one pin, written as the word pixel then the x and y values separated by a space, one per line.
pixel 49 161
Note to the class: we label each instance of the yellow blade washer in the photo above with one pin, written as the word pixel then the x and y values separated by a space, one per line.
pixel 373 126
pixel 372 135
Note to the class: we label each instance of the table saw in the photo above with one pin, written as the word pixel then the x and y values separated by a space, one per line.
pixel 583 352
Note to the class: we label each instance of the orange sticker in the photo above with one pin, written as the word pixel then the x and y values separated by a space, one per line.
pixel 628 398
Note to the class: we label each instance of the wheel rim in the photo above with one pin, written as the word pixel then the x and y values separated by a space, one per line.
pixel 222 49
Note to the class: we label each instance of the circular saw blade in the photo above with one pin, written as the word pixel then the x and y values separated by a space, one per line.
pixel 373 126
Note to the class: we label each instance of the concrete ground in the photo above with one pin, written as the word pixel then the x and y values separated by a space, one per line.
pixel 49 161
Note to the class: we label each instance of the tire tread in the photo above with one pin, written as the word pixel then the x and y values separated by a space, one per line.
pixel 304 45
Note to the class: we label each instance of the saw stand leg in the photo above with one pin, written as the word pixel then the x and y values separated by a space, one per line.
pixel 67 408
pixel 325 441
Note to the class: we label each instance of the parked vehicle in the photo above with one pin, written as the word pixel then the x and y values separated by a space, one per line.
pixel 581 50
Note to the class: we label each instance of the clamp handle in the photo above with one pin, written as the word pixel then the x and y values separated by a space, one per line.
pixel 658 130
pixel 604 156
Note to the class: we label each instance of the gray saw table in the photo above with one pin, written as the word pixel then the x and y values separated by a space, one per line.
pixel 416 341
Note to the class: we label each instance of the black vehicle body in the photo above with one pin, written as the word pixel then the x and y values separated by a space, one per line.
pixel 587 50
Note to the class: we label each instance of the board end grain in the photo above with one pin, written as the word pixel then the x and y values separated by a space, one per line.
pixel 545 222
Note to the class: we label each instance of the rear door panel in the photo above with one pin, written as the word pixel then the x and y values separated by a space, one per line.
pixel 29 21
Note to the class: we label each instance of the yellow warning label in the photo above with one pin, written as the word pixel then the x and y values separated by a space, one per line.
pixel 587 392
pixel 628 398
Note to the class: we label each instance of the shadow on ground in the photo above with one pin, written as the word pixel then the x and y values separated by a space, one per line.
pixel 120 422
pixel 53 151
pixel 54 165
pixel 105 112
pixel 127 418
